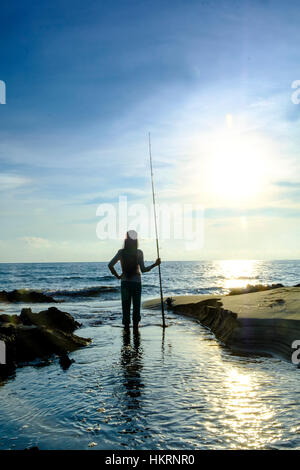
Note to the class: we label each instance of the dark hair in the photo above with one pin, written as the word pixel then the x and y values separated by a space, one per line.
pixel 129 253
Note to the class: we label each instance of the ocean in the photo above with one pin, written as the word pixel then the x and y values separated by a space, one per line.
pixel 177 388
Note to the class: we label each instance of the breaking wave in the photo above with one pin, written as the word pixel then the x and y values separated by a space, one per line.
pixel 84 292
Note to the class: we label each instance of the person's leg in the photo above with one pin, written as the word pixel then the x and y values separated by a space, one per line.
pixel 136 299
pixel 126 303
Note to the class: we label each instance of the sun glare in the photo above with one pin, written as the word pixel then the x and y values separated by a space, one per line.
pixel 236 166
pixel 239 273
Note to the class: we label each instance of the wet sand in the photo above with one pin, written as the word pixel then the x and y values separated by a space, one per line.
pixel 262 322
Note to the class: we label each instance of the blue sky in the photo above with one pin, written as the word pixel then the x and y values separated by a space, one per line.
pixel 86 81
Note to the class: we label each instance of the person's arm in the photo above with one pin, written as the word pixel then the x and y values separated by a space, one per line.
pixel 144 268
pixel 112 263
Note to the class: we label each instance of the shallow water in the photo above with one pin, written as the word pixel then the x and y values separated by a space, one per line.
pixel 176 388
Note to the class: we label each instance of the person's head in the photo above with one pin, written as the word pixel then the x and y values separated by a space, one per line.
pixel 131 241
pixel 130 264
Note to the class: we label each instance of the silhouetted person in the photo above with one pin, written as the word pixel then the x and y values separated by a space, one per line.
pixel 132 262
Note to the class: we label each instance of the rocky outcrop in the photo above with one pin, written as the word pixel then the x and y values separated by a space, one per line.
pixel 211 314
pixel 52 319
pixel 273 336
pixel 33 336
pixel 26 296
pixel 263 322
pixel 254 288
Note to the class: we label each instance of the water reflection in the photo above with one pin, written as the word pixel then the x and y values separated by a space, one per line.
pixel 163 345
pixel 239 273
pixel 249 418
pixel 132 365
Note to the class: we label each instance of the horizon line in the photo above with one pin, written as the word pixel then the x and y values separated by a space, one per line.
pixel 166 261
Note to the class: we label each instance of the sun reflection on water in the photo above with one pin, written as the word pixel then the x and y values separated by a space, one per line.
pixel 248 418
pixel 239 273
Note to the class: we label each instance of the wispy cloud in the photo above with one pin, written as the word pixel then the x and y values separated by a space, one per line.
pixel 288 184
pixel 11 181
pixel 36 242
pixel 278 212
pixel 112 195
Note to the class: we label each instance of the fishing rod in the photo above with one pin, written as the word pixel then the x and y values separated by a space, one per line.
pixel 157 246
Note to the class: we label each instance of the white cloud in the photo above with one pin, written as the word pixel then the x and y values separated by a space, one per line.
pixel 10 181
pixel 36 242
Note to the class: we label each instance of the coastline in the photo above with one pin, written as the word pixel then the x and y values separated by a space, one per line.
pixel 265 322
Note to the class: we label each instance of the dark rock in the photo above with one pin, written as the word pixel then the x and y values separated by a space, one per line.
pixel 253 288
pixel 29 296
pixel 51 318
pixel 65 362
pixel 211 314
pixel 14 319
pixel 35 336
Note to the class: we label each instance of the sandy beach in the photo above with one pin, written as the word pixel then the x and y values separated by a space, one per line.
pixel 260 322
